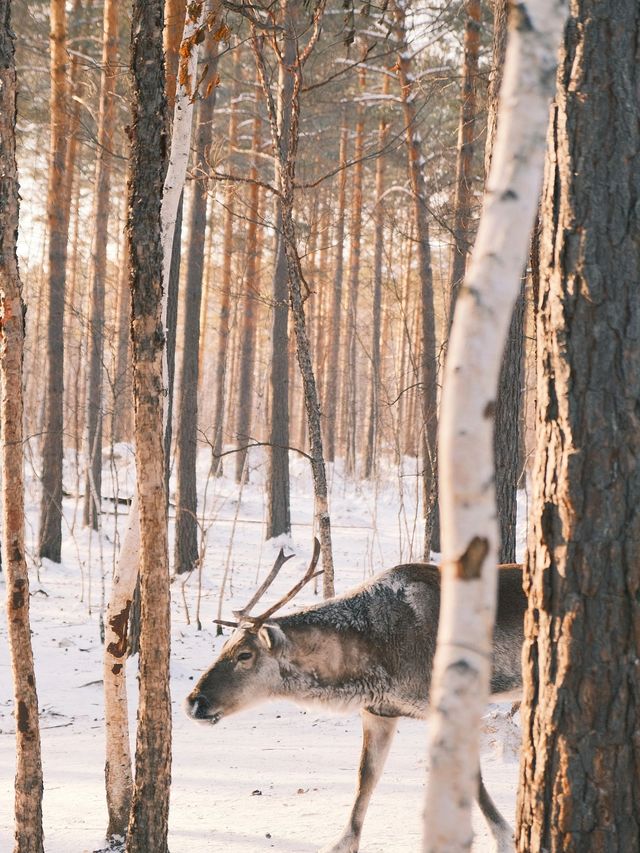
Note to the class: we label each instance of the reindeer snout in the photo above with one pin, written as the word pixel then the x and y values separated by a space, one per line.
pixel 197 706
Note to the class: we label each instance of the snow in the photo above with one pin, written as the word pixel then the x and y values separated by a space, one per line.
pixel 273 778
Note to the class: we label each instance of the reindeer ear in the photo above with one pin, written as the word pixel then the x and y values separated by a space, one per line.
pixel 272 637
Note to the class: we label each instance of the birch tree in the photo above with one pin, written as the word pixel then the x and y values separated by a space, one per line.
pixel 460 682
pixel 28 780
pixel 579 773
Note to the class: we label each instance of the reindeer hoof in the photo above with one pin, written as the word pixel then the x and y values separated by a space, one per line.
pixel 346 844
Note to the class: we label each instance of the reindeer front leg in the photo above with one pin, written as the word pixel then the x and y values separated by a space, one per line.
pixel 377 734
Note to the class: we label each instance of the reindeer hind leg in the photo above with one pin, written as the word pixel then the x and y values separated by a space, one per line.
pixel 498 827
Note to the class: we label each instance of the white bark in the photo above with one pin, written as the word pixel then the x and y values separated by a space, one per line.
pixel 460 682
pixel 118 775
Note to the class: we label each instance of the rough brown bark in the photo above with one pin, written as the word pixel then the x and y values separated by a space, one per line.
pixel 148 824
pixel 28 780
pixel 249 306
pixel 580 766
pixel 186 539
pixel 93 482
pixel 50 534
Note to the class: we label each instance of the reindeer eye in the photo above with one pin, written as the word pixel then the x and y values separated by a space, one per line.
pixel 245 655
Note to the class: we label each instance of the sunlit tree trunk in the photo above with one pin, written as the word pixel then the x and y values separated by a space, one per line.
pixel 249 306
pixel 350 396
pixel 378 218
pixel 286 152
pixel 466 138
pixel 186 530
pixel 510 388
pixel 461 673
pixel 428 359
pixel 333 374
pixel 224 316
pixel 28 837
pixel 93 483
pixel 278 506
pixel 148 824
pixel 50 535
pixel 580 764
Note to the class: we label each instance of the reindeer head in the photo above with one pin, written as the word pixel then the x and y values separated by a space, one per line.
pixel 247 670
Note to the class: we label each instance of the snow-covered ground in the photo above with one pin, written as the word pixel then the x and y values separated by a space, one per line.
pixel 274 778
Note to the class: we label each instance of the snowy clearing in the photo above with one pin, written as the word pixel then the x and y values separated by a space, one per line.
pixel 274 778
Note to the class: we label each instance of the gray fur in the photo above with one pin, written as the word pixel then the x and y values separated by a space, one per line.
pixel 371 650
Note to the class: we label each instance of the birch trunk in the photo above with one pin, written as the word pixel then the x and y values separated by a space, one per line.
pixel 460 683
pixel 28 780
pixel 118 766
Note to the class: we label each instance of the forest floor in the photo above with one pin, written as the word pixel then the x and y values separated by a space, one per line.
pixel 273 778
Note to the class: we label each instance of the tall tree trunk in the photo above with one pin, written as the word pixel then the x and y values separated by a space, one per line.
pixel 580 766
pixel 464 166
pixel 378 218
pixel 50 535
pixel 28 780
pixel 462 664
pixel 174 11
pixel 148 824
pixel 278 509
pixel 428 364
pixel 186 536
pixel 121 416
pixel 147 23
pixel 225 287
pixel 332 383
pixel 350 397
pixel 249 305
pixel 93 483
pixel 286 151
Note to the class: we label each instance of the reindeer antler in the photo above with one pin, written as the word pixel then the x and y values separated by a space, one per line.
pixel 281 559
pixel 309 575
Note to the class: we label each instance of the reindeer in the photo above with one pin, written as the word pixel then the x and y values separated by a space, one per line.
pixel 370 650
